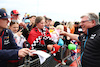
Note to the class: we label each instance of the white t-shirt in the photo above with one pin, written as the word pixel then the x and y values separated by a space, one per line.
pixel 68 30
pixel 19 40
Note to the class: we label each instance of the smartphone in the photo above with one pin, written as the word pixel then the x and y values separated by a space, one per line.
pixel 21 28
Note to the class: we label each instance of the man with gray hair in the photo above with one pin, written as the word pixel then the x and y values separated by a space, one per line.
pixel 90 56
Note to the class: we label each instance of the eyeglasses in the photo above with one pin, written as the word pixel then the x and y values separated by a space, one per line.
pixel 85 21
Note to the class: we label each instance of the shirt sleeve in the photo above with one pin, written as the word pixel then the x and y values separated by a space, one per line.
pixel 9 54
pixel 80 37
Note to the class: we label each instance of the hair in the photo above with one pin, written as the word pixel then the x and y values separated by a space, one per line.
pixel 56 23
pixel 45 18
pixel 61 27
pixel 76 23
pixel 70 25
pixel 12 22
pixel 32 16
pixel 38 20
pixel 4 9
pixel 92 16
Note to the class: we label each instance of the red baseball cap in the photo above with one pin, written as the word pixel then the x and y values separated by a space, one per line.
pixel 14 12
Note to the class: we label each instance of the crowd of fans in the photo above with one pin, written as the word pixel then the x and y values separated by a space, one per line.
pixel 41 33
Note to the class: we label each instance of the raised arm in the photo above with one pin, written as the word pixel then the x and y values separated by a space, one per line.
pixel 72 36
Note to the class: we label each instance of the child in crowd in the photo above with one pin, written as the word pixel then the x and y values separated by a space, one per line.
pixel 19 38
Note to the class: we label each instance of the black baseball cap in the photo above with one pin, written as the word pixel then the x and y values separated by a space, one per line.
pixel 3 14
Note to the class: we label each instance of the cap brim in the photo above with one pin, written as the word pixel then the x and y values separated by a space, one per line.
pixel 6 17
pixel 16 14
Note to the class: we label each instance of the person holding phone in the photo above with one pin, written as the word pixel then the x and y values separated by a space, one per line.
pixel 19 38
pixel 8 47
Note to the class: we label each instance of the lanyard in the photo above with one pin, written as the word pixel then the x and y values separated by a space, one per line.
pixel 84 44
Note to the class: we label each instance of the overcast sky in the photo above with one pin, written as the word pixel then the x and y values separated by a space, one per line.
pixel 57 10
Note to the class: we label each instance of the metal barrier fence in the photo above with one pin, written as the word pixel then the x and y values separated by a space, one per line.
pixel 50 62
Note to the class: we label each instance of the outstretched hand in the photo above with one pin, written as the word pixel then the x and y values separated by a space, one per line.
pixel 50 47
pixel 25 51
pixel 22 24
pixel 19 33
pixel 62 33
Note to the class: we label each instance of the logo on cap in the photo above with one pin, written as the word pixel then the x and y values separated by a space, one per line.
pixel 4 14
pixel 16 11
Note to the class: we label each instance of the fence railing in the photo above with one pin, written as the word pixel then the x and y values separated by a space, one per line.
pixel 50 62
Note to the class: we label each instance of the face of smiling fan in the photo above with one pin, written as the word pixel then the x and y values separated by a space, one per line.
pixel 86 23
pixel 41 24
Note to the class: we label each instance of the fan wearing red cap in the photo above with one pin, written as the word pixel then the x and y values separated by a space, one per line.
pixel 14 14
pixel 16 18
pixel 8 47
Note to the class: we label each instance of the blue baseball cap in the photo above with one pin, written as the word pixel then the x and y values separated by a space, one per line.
pixel 3 14
pixel 27 21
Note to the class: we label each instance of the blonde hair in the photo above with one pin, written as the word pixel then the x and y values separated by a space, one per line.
pixel 61 27
pixel 70 25
pixel 4 9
